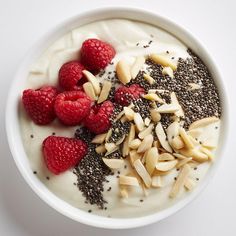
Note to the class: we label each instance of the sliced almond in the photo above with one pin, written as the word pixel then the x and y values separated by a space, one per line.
pixel 163 60
pixel 139 167
pixel 156 182
pixel 161 173
pixel 181 179
pixel 110 146
pixel 100 149
pixel 149 79
pixel 137 66
pixel 162 137
pixel 133 156
pixel 113 163
pixel 128 180
pixel 166 165
pixel 138 120
pixel 131 134
pixel 183 162
pixel 146 131
pixel 94 81
pixel 151 159
pixel 155 115
pixel 147 121
pixel 168 71
pixel 125 148
pixel 208 153
pixel 106 88
pixel 89 90
pixel 179 113
pixel 179 156
pixel 145 144
pixel 166 157
pixel 134 144
pixel 195 154
pixel 189 184
pixel 177 143
pixel 99 138
pixel 167 108
pixel 123 72
pixel 152 97
pixel 120 141
pixel 157 144
pixel 129 113
pixel 172 131
pixel 187 141
pixel 123 192
pixel 203 122
pixel 123 119
pixel 109 133
pixel 193 86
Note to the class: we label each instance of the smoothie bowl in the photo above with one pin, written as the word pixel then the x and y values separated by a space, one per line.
pixel 116 118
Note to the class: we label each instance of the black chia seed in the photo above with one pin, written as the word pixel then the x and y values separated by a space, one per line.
pixel 31 136
pixel 35 172
pixel 48 178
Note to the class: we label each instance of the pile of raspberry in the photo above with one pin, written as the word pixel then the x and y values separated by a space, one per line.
pixel 68 103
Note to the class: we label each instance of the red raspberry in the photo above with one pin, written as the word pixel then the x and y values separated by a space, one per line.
pixel 125 95
pixel 72 106
pixel 39 104
pixel 98 121
pixel 70 75
pixel 96 54
pixel 61 153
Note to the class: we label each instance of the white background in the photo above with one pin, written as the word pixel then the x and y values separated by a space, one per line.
pixel 22 22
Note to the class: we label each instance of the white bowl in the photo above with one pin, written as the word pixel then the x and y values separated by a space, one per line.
pixel 13 125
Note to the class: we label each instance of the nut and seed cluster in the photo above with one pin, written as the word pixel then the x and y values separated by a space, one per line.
pixel 155 133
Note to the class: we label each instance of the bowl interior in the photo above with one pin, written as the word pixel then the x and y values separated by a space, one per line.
pixel 13 126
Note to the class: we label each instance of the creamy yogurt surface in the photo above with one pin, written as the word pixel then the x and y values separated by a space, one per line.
pixel 129 39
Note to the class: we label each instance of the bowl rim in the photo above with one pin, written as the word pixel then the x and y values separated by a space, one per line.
pixel 16 145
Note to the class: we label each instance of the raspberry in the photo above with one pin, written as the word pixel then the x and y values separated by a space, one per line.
pixel 72 106
pixel 61 153
pixel 70 75
pixel 125 95
pixel 39 104
pixel 96 54
pixel 98 121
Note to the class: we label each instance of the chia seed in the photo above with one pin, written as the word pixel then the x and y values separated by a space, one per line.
pixel 47 178
pixel 35 172
pixel 31 136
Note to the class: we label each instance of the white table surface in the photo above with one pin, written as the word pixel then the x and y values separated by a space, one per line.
pixel 22 22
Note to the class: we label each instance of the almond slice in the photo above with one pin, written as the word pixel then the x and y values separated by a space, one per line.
pixel 179 156
pixel 110 146
pixel 138 121
pixel 208 153
pixel 128 139
pixel 94 81
pixel 195 154
pixel 189 184
pixel 163 60
pixel 88 89
pixel 183 162
pixel 155 115
pixel 146 131
pixel 166 157
pixel 168 71
pixel 167 165
pixel 123 72
pixel 147 121
pixel 193 86
pixel 167 108
pixel 129 113
pixel 123 192
pixel 120 141
pixel 106 88
pixel 181 179
pixel 161 173
pixel 153 97
pixel 99 138
pixel 139 167
pixel 156 182
pixel 172 131
pixel 113 163
pixel 134 144
pixel 177 143
pixel 145 144
pixel 100 149
pixel 137 66
pixel 179 113
pixel 162 137
pixel 109 133
pixel 148 78
pixel 151 159
pixel 187 141
pixel 128 180
pixel 203 122
pixel 133 156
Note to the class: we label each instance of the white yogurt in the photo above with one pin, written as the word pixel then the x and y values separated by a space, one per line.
pixel 124 36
